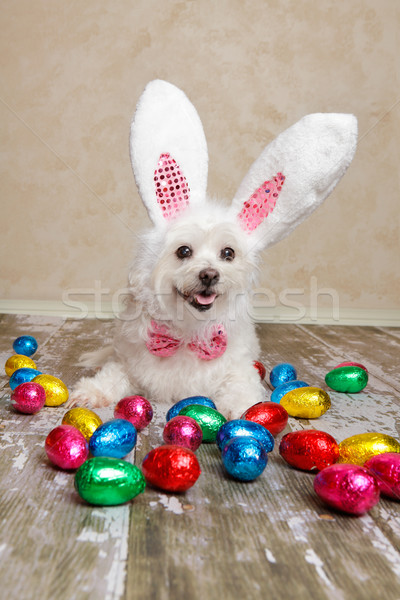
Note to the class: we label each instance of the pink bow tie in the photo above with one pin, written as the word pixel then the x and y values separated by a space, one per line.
pixel 161 343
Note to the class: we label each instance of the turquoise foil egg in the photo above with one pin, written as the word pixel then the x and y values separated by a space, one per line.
pixel 115 439
pixel 284 388
pixel 241 427
pixel 22 376
pixel 176 408
pixel 281 374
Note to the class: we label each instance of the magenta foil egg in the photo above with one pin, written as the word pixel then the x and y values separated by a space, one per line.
pixel 28 397
pixel 66 447
pixel 386 468
pixel 135 409
pixel 350 488
pixel 183 431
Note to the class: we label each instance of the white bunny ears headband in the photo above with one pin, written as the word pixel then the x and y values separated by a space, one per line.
pixel 290 179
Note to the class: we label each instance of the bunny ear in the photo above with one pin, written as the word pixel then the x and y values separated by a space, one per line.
pixel 293 175
pixel 168 151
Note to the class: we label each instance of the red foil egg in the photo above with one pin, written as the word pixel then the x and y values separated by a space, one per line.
pixel 269 414
pixel 183 431
pixel 309 449
pixel 350 488
pixel 28 397
pixel 351 364
pixel 66 447
pixel 260 368
pixel 386 468
pixel 171 468
pixel 135 409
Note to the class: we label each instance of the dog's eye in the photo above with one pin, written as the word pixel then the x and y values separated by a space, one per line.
pixel 228 254
pixel 184 252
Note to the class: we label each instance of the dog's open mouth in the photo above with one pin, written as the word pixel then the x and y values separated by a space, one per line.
pixel 201 300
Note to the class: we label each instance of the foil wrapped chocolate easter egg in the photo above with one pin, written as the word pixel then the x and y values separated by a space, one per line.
pixel 260 368
pixel 22 376
pixel 270 415
pixel 281 374
pixel 209 419
pixel 309 449
pixel 66 447
pixel 28 398
pixel 306 402
pixel 348 379
pixel 183 431
pixel 26 345
pixel 243 427
pixel 18 361
pixel 115 438
pixel 284 388
pixel 349 488
pixel 56 390
pixel 83 419
pixel 106 481
pixel 351 364
pixel 171 468
pixel 357 449
pixel 177 407
pixel 245 458
pixel 135 409
pixel 386 468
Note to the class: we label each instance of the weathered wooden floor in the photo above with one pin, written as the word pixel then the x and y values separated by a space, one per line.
pixel 222 539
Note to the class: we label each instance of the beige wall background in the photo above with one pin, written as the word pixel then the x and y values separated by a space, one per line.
pixel 71 73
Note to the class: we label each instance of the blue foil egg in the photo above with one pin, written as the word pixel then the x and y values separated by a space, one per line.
pixel 115 438
pixel 26 345
pixel 284 388
pixel 176 408
pixel 241 427
pixel 281 374
pixel 22 376
pixel 244 458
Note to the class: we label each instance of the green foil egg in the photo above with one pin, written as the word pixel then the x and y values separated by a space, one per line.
pixel 347 379
pixel 210 420
pixel 106 481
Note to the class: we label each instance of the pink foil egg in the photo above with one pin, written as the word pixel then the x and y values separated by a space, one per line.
pixel 183 431
pixel 386 468
pixel 135 409
pixel 28 398
pixel 350 488
pixel 66 447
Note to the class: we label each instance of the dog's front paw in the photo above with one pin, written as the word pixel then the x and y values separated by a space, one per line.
pixel 236 401
pixel 86 393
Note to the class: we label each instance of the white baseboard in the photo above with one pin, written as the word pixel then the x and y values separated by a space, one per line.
pixel 278 314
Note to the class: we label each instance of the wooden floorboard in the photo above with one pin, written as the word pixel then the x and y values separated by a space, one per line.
pixel 271 538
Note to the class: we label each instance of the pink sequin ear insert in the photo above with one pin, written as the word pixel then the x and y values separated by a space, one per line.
pixel 261 203
pixel 172 190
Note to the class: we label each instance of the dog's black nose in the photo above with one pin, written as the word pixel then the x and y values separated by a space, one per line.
pixel 209 276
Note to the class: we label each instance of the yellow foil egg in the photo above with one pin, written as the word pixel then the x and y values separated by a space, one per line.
pixel 306 402
pixel 56 390
pixel 18 361
pixel 83 419
pixel 359 448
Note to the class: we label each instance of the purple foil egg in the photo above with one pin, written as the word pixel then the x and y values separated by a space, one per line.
pixel 350 488
pixel 135 409
pixel 183 431
pixel 386 468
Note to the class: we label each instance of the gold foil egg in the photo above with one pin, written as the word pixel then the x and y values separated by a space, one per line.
pixel 83 419
pixel 359 448
pixel 56 390
pixel 306 402
pixel 18 361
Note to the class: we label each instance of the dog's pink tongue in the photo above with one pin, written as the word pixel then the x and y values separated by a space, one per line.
pixel 205 299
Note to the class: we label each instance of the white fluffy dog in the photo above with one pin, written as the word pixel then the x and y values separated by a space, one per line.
pixel 186 329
